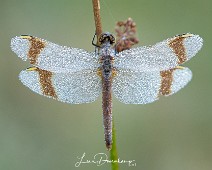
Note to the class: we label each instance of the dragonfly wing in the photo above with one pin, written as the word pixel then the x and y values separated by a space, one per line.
pixel 75 88
pixel 145 87
pixel 162 56
pixel 52 57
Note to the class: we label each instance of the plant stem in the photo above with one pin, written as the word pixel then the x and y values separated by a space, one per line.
pixel 113 151
pixel 97 18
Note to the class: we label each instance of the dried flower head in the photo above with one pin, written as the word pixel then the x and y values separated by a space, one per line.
pixel 125 34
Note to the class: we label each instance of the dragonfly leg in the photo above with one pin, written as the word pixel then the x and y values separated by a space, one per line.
pixel 94 43
pixel 116 52
pixel 96 52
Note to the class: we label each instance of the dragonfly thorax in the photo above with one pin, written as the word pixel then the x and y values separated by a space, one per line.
pixel 106 65
pixel 106 48
pixel 106 53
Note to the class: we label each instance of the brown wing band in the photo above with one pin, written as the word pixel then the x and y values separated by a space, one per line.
pixel 177 45
pixel 46 83
pixel 166 81
pixel 36 46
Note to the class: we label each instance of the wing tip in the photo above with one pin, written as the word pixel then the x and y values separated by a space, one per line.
pixel 30 80
pixel 193 44
pixel 181 78
pixel 20 46
pixel 195 37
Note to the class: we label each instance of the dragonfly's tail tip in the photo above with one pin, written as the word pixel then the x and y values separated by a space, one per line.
pixel 109 147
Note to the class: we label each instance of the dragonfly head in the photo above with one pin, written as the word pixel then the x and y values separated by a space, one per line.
pixel 107 37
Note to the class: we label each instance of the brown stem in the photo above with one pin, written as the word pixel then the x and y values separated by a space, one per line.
pixel 97 18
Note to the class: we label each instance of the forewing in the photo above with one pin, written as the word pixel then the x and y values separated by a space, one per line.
pixel 145 87
pixel 162 56
pixel 75 88
pixel 52 57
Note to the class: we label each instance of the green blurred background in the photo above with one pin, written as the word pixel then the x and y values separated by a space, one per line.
pixel 37 133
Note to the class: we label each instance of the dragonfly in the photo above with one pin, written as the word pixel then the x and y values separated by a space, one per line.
pixel 135 76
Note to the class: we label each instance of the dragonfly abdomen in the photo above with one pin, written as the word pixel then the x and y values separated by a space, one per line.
pixel 107 109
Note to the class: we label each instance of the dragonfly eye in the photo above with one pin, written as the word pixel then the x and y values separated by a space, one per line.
pixel 106 37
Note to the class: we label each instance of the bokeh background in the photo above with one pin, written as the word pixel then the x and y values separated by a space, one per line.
pixel 174 133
